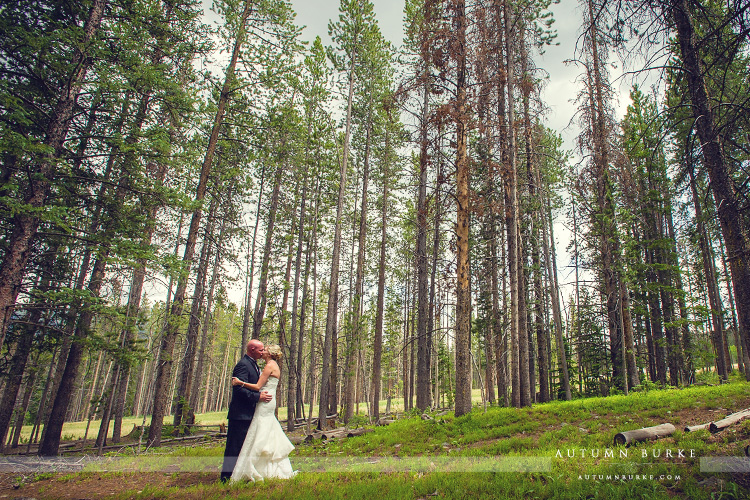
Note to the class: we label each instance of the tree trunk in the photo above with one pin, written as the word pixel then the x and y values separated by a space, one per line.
pixel 377 343
pixel 519 336
pixel 53 431
pixel 525 305
pixel 164 364
pixel 313 323
pixel 730 217
pixel 133 307
pixel 433 282
pixel 354 344
pixel 208 317
pixel 331 332
pixel 745 353
pixel 26 222
pixel 605 213
pixel 262 299
pixel 182 396
pixel 501 339
pixel 15 375
pixel 578 295
pixel 412 348
pixel 717 332
pixel 463 282
pixel 20 357
pixel 646 434
pixel 311 257
pixel 687 368
pixel 555 299
pixel 42 403
pixel 674 352
pixel 294 377
pixel 20 417
pixel 423 340
pixel 405 349
pixel 536 220
pixel 251 267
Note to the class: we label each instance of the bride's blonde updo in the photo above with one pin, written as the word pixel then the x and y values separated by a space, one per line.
pixel 274 351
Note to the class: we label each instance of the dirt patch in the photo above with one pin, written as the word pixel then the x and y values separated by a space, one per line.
pixel 95 486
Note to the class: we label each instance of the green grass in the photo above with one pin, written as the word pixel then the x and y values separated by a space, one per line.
pixel 545 431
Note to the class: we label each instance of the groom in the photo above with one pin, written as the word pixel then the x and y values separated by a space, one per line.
pixel 242 406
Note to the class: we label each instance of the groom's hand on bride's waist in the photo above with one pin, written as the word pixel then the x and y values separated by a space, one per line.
pixel 265 396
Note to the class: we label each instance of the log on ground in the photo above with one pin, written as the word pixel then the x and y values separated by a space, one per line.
pixel 646 434
pixel 358 432
pixel 312 437
pixel 693 428
pixel 722 424
pixel 334 433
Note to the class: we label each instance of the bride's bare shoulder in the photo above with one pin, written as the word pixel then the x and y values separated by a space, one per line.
pixel 274 366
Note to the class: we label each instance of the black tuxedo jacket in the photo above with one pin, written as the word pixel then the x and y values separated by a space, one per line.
pixel 242 406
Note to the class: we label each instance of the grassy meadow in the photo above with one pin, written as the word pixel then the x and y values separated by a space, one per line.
pixel 449 457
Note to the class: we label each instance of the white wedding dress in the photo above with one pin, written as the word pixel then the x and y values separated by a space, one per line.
pixel 265 452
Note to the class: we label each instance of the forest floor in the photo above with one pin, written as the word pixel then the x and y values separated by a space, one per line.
pixel 553 450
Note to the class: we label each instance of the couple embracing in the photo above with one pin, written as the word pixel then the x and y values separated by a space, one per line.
pixel 257 447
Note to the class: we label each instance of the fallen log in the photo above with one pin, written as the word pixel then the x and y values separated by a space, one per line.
pixel 338 433
pixel 358 432
pixel 313 423
pixel 647 433
pixel 722 424
pixel 163 442
pixel 312 437
pixel 693 428
pixel 334 433
pixel 184 438
pixel 385 421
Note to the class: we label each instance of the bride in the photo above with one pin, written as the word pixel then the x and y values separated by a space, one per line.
pixel 265 452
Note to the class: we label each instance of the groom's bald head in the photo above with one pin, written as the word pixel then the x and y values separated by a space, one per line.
pixel 254 348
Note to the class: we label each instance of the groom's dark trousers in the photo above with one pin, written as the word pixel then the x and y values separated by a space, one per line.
pixel 241 410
